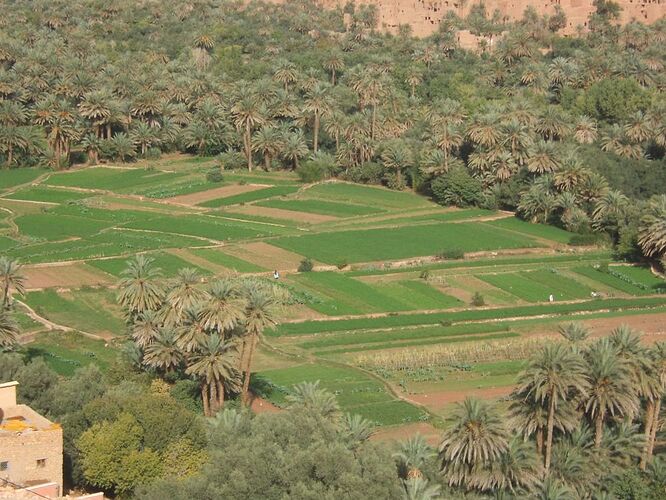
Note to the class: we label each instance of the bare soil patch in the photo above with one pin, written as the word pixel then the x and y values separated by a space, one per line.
pixel 402 432
pixel 652 325
pixel 213 194
pixel 66 275
pixel 265 255
pixel 436 401
pixel 260 405
pixel 279 213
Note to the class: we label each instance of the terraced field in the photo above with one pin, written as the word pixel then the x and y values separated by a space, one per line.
pixel 395 276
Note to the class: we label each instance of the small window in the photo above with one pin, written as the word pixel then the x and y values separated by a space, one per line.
pixel 41 463
pixel 4 465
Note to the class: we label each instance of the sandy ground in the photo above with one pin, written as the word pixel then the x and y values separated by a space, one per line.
pixel 279 213
pixel 652 325
pixel 402 432
pixel 260 405
pixel 435 401
pixel 66 275
pixel 213 194
pixel 265 255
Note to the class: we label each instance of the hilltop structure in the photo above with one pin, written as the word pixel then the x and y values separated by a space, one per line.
pixel 31 451
pixel 424 16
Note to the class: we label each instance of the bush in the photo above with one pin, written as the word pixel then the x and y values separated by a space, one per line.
pixel 231 160
pixel 368 173
pixel 305 266
pixel 478 300
pixel 153 154
pixel 425 275
pixel 316 169
pixel 342 264
pixel 214 175
pixel 580 240
pixel 451 254
pixel 457 187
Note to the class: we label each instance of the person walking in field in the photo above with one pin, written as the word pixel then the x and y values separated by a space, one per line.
pixel 551 298
pixel 276 274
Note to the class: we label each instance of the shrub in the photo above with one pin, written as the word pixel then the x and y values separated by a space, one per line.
pixel 579 240
pixel 214 175
pixel 316 169
pixel 478 300
pixel 231 160
pixel 457 187
pixel 451 254
pixel 368 173
pixel 153 154
pixel 425 275
pixel 305 266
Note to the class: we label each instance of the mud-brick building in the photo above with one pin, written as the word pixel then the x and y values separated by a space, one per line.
pixel 30 445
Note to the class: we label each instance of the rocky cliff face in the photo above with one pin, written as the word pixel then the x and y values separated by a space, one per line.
pixel 424 15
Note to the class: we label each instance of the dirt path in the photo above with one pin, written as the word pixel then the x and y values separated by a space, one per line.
pixel 260 405
pixel 213 194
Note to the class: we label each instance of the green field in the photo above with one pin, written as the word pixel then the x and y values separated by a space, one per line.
pixel 355 391
pixel 17 176
pixel 66 352
pixel 368 195
pixel 321 207
pixel 112 179
pixel 337 295
pixel 169 265
pixel 551 233
pixel 225 260
pixel 58 227
pixel 537 286
pixel 401 242
pixel 259 194
pixel 49 195
pixel 89 310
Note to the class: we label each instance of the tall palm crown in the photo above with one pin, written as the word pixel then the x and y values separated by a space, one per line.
pixel 9 331
pixel 312 397
pixel 138 289
pixel 652 235
pixel 477 438
pixel 223 309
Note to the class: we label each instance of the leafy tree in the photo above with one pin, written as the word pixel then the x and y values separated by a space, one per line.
pixel 457 187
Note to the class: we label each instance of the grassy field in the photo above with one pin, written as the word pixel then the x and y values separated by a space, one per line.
pixel 66 352
pixel 401 242
pixel 169 265
pixel 220 258
pixel 89 310
pixel 112 179
pixel 367 195
pixel 356 392
pixel 48 195
pixel 537 286
pixel 550 233
pixel 321 207
pixel 17 176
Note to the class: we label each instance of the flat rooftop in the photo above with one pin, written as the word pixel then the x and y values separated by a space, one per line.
pixel 22 418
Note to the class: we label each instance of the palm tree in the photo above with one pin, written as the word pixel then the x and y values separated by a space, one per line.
pixel 516 470
pixel 414 79
pixel 96 107
pixel 11 279
pixel 658 355
pixel 286 73
pixel 137 290
pixel 259 314
pixel 9 330
pixel 412 456
pixel 145 329
pixel 418 488
pixel 542 158
pixel 214 363
pixel 396 157
pixel 610 211
pixel 334 63
pixel 315 399
pixel 616 141
pixel 537 203
pixel 611 391
pixel 586 130
pixel 268 142
pixel 551 124
pixel 184 294
pixel 477 438
pixel 334 124
pixel 93 146
pixel 224 308
pixel 553 377
pixel 574 332
pixel 294 147
pixel 484 130
pixel 123 147
pixel 652 229
pixel 164 353
pixel 638 128
pixel 318 103
pixel 448 138
pixel 355 429
pixel 144 136
pixel 248 114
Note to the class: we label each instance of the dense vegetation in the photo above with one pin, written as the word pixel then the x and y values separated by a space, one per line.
pixel 563 130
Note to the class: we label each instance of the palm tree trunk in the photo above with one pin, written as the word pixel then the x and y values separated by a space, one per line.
pixel 205 399
pixel 108 131
pixel 10 155
pixel 5 296
pixel 655 421
pixel 214 398
pixel 599 429
pixel 549 430
pixel 241 359
pixel 316 132
pixel 539 441
pixel 374 121
pixel 248 370
pixel 332 76
pixel 220 394
pixel 248 150
pixel 267 162
pixel 649 415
